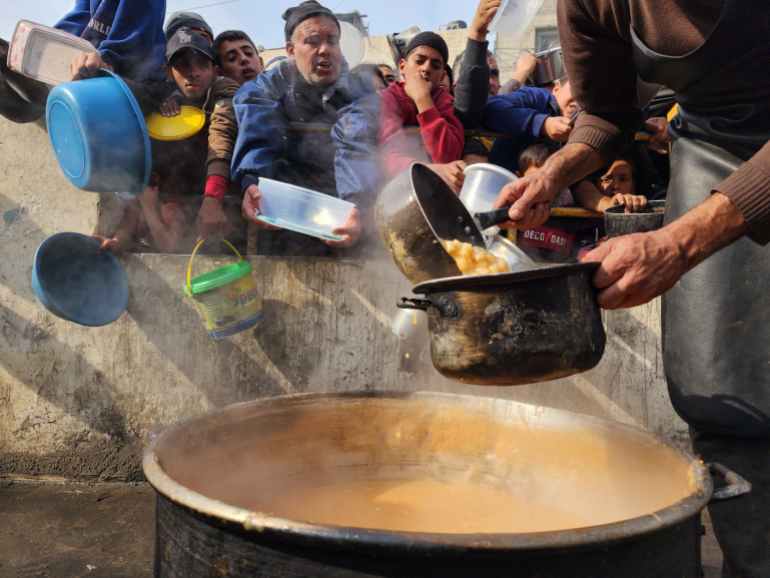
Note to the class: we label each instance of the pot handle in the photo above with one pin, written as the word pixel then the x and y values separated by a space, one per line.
pixel 735 485
pixel 417 304
pixel 488 219
pixel 446 307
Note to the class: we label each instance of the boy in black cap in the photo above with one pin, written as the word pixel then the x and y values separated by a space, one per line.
pixel 185 169
pixel 419 100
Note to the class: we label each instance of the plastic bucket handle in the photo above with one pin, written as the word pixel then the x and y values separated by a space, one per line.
pixel 197 247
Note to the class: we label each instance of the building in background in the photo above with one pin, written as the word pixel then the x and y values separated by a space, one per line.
pixel 542 35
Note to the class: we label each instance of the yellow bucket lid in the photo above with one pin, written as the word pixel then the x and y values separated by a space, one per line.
pixel 187 123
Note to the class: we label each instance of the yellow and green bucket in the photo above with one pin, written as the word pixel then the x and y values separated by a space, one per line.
pixel 226 298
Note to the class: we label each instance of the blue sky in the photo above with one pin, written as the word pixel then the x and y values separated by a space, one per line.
pixel 262 18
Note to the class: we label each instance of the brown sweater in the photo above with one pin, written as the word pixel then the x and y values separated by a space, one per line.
pixel 596 39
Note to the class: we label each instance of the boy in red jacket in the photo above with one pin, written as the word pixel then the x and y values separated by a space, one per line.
pixel 419 101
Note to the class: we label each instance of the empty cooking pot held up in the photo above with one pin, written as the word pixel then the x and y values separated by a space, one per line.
pixel 516 328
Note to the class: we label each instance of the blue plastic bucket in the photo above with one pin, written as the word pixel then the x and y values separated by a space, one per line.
pixel 99 136
pixel 75 280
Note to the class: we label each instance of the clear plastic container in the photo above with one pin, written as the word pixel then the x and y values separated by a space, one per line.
pixel 44 53
pixel 302 210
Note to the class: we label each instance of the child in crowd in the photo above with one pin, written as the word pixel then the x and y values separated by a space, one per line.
pixel 616 186
pixel 237 56
pixel 420 101
pixel 388 74
pixel 448 81
pixel 531 159
pixel 372 75
pixel 182 170
pixel 558 239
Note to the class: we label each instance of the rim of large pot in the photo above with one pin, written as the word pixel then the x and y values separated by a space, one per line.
pixel 501 280
pixel 423 542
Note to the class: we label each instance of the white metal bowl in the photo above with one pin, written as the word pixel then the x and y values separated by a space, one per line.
pixel 482 186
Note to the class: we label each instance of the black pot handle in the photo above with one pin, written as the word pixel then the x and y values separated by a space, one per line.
pixel 418 304
pixel 488 219
pixel 735 484
pixel 446 307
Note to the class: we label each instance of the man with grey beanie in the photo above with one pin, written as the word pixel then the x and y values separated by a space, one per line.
pixel 311 87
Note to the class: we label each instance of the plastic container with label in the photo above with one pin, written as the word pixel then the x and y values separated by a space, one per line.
pixel 44 53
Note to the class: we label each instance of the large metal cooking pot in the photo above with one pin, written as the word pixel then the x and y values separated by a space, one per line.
pixel 515 328
pixel 235 492
pixel 410 213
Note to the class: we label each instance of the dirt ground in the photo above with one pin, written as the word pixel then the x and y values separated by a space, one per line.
pixel 75 531
pixel 56 530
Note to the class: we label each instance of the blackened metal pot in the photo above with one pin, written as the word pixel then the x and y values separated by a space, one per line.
pixel 215 476
pixel 516 328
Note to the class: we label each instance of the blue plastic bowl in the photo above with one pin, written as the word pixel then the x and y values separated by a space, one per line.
pixel 99 136
pixel 77 281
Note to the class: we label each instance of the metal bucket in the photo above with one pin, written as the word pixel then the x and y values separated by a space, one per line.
pixel 482 185
pixel 617 222
pixel 549 67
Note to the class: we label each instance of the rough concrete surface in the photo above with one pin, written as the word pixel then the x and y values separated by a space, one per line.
pixel 105 531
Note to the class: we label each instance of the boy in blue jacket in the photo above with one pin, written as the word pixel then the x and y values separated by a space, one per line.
pixel 128 36
pixel 527 116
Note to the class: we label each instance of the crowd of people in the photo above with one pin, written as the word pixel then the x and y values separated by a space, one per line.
pixel 584 140
pixel 312 122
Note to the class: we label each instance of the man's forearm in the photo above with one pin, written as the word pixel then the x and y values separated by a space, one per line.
pixel 707 228
pixel 571 164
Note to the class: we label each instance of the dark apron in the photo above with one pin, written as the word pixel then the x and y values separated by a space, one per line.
pixel 716 320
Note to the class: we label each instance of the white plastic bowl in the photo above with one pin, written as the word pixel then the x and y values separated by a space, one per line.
pixel 482 186
pixel 302 210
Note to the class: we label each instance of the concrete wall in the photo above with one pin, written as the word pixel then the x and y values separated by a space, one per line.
pixel 80 402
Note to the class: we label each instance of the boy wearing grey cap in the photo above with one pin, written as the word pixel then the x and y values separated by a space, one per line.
pixel 191 20
pixel 191 177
